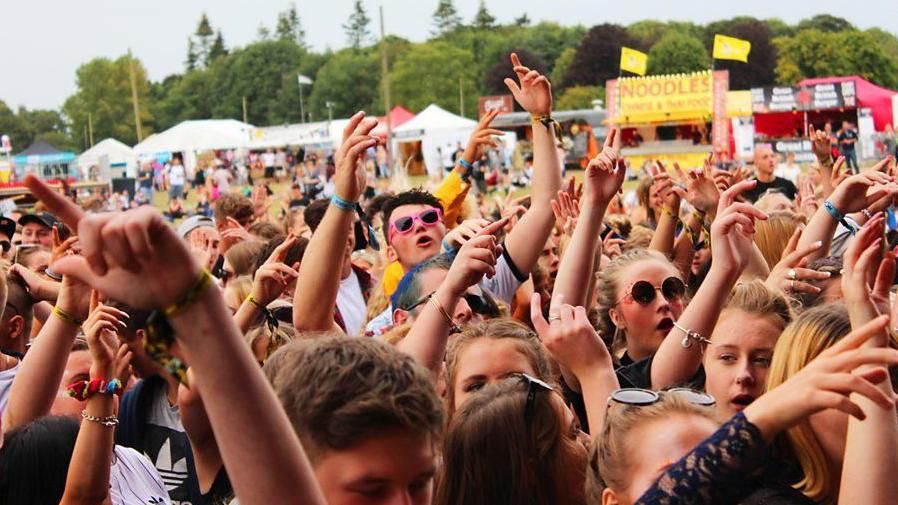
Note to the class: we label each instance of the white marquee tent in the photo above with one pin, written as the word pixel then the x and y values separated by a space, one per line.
pixel 111 156
pixel 435 128
pixel 198 135
pixel 317 134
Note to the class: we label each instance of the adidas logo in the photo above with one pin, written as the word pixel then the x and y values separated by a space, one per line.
pixel 173 474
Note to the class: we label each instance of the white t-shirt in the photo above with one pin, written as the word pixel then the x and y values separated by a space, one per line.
pixel 6 378
pixel 790 172
pixel 133 479
pixel 351 304
pixel 268 159
pixel 177 175
pixel 223 179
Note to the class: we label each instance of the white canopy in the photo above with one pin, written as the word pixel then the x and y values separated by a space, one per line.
pixel 111 156
pixel 198 135
pixel 436 128
pixel 320 133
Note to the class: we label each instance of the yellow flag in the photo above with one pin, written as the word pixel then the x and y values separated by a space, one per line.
pixel 730 48
pixel 632 60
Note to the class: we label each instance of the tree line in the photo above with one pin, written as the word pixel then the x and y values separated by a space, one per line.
pixel 461 61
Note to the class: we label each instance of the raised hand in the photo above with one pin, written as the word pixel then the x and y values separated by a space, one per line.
pixel 61 248
pixel 820 145
pixel 732 232
pixel 838 176
pixel 273 277
pixel 791 274
pixel 350 177
pixel 827 383
pixel 566 212
pixel 569 337
pixel 134 256
pixel 701 191
pixel 859 264
pixel 671 194
pixel 100 330
pixel 534 93
pixel 481 137
pixel 605 173
pixel 860 191
pixel 464 232
pixel 476 259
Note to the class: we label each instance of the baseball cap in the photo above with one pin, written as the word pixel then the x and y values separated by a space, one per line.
pixel 192 223
pixel 7 227
pixel 42 218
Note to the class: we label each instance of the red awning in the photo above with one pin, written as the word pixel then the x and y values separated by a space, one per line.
pixel 869 95
pixel 398 116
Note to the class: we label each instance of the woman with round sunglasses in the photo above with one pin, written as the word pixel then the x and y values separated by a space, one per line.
pixel 654 359
pixel 667 448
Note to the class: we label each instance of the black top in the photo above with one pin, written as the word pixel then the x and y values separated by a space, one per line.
pixel 784 186
pixel 844 136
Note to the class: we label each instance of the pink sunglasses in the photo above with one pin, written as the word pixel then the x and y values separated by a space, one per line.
pixel 403 225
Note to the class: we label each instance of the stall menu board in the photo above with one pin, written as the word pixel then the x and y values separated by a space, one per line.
pixel 817 97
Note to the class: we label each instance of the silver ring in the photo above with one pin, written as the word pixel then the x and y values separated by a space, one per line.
pixel 554 318
pixel 793 274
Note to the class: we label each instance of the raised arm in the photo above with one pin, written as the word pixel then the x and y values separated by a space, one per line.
pixel 269 282
pixel 87 481
pixel 426 341
pixel 314 301
pixel 603 179
pixel 731 245
pixel 820 145
pixel 871 448
pixel 671 195
pixel 138 248
pixel 853 194
pixel 526 240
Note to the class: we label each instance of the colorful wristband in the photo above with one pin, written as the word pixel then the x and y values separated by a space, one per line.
pixel 344 205
pixel 838 216
pixel 66 317
pixel 193 293
pixel 84 389
pixel 464 163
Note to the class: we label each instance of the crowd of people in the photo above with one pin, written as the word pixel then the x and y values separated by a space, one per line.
pixel 730 338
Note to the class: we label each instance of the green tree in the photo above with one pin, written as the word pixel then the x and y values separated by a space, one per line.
pixel 494 78
pixel 779 28
pixel 202 40
pixel 12 125
pixel 104 93
pixel 598 56
pixel 647 33
pixel 886 41
pixel 813 53
pixel 192 58
pixel 522 20
pixel 263 33
pixel 825 23
pixel 547 40
pixel 445 18
pixel 676 53
pixel 562 63
pixel 483 20
pixel 338 82
pixel 289 26
pixel 580 97
pixel 356 27
pixel 218 48
pixel 432 73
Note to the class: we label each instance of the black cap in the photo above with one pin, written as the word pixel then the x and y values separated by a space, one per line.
pixel 42 218
pixel 7 227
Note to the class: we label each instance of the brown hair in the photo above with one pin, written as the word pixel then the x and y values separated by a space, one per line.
pixel 233 205
pixel 609 464
pixel 339 391
pixel 243 255
pixel 772 236
pixel 492 455
pixel 607 288
pixel 526 342
pixel 265 230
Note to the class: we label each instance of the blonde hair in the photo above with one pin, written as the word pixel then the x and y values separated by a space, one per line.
pixel 609 464
pixel 242 256
pixel 239 288
pixel 640 237
pixel 608 286
pixel 755 297
pixel 772 236
pixel 526 342
pixel 811 333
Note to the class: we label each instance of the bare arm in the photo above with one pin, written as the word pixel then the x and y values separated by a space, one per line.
pixel 527 238
pixel 314 302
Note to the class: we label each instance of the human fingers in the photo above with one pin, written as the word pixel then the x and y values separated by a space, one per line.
pixel 536 315
pixel 847 383
pixel 352 124
pixel 280 252
pixel 58 205
pixel 494 227
pixel 793 286
pixel 116 247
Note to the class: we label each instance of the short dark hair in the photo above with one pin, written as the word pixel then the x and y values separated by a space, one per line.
pixel 236 206
pixel 266 230
pixel 415 196
pixel 34 460
pixel 408 291
pixel 340 391
pixel 376 204
pixel 314 213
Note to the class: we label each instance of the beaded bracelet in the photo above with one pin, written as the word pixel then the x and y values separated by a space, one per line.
pixel 66 316
pixel 84 389
pixel 108 421
pixel 691 336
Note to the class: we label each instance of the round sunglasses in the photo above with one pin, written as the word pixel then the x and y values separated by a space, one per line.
pixel 643 292
pixel 403 225
pixel 642 397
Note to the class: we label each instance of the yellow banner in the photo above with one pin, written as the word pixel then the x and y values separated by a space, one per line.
pixel 634 61
pixel 665 98
pixel 731 48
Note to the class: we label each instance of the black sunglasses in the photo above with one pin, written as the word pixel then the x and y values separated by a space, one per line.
pixel 533 385
pixel 404 224
pixel 479 303
pixel 641 397
pixel 643 292
pixel 5 245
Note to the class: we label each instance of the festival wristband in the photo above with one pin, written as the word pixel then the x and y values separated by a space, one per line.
pixel 464 163
pixel 66 316
pixel 838 216
pixel 344 205
pixel 84 389
pixel 203 281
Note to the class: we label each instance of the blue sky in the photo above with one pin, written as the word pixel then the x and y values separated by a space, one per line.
pixel 42 42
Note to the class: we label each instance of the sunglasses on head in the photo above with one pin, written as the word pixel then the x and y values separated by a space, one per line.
pixel 403 225
pixel 533 385
pixel 643 292
pixel 642 397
